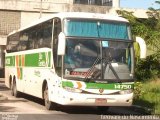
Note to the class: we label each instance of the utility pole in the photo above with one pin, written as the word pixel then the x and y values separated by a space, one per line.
pixel 40 9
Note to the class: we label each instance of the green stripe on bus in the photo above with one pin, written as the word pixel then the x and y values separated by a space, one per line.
pixel 21 73
pixel 49 57
pixel 38 59
pixel 112 86
pixel 42 59
pixel 31 60
pixel 67 84
pixel 10 61
pixel 20 60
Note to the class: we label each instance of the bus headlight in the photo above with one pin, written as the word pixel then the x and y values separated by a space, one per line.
pixel 125 92
pixel 73 90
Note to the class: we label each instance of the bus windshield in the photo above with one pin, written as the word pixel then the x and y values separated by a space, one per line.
pixel 97 59
pixel 98 50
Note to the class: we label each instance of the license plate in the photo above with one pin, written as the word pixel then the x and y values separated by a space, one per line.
pixel 100 100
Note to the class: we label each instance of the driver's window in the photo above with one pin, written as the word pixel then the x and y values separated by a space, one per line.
pixel 57 59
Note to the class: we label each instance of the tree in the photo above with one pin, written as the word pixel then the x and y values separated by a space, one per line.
pixel 149 29
pixel 137 27
pixel 154 38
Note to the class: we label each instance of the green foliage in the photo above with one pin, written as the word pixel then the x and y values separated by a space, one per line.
pixel 153 40
pixel 147 94
pixel 137 90
pixel 138 28
pixel 148 68
pixel 137 50
pixel 150 97
pixel 127 15
pixel 157 1
pixel 149 30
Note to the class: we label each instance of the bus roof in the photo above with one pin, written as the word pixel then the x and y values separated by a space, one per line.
pixel 83 15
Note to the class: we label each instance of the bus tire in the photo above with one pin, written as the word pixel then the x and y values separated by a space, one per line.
pixel 48 104
pixel 10 81
pixel 14 89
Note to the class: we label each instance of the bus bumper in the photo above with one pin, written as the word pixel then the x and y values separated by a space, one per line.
pixel 79 99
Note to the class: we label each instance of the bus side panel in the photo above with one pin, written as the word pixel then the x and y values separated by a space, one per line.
pixel 7 71
pixel 37 69
pixel 30 68
pixel 33 81
pixel 11 72
pixel 7 77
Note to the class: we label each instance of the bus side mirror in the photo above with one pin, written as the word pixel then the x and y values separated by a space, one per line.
pixel 61 44
pixel 143 48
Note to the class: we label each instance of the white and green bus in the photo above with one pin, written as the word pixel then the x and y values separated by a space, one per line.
pixel 79 59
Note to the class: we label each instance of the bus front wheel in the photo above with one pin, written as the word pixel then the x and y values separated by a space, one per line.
pixel 48 104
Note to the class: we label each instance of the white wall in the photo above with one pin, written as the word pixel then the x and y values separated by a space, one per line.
pixel 3 40
pixel 116 3
pixel 31 5
pixel 29 17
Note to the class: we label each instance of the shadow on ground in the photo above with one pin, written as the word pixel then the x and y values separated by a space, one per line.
pixel 12 101
pixel 78 109
pixel 90 110
pixel 148 107
pixel 7 108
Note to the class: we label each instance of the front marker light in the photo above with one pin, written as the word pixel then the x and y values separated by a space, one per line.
pixel 73 90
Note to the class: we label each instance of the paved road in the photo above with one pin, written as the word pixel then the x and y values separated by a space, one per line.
pixel 34 108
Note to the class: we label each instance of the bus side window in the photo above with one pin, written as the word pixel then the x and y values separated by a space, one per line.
pixel 32 37
pixel 13 42
pixel 57 59
pixel 39 41
pixel 47 33
pixel 23 40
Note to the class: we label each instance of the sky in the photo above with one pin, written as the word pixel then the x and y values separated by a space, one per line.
pixel 144 4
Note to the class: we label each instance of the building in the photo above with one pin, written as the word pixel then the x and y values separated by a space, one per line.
pixel 18 13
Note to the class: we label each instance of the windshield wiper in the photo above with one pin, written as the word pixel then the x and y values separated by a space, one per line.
pixel 96 72
pixel 92 70
pixel 108 62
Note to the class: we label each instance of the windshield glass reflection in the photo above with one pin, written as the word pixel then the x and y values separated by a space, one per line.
pixel 95 59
